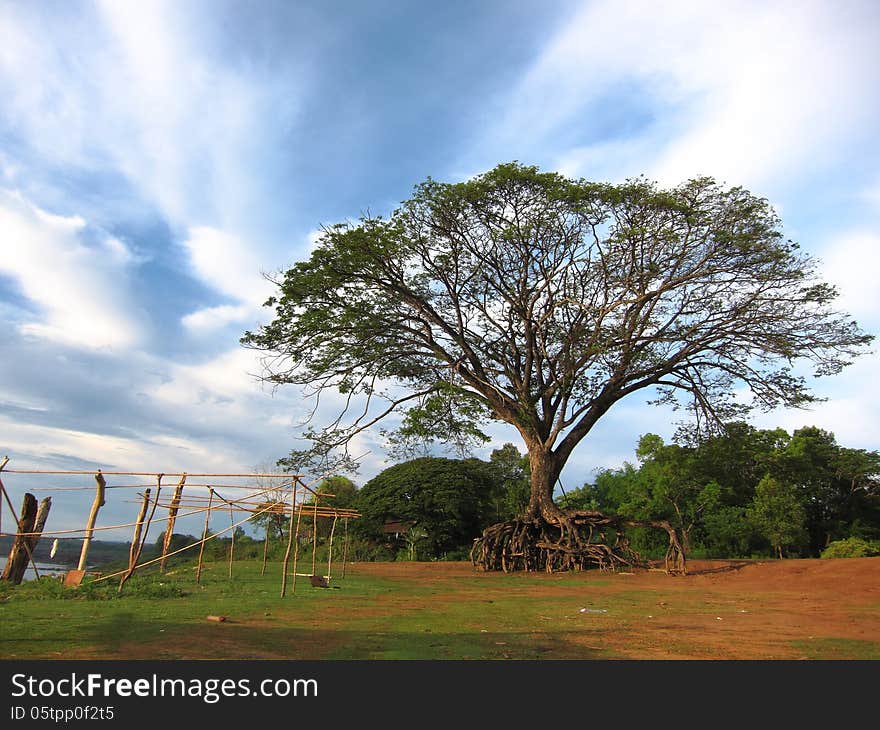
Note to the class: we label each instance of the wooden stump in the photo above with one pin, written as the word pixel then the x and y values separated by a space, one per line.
pixel 30 524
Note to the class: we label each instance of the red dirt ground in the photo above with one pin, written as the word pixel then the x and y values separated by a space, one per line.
pixel 723 609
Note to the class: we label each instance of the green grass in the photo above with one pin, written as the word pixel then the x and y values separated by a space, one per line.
pixel 830 648
pixel 437 614
pixel 359 617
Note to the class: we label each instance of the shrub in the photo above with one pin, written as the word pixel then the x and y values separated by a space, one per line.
pixel 852 547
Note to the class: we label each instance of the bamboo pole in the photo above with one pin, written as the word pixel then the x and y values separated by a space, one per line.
pixel 330 548
pixel 173 509
pixel 232 540
pixel 40 522
pixel 265 551
pixel 2 466
pixel 296 544
pixel 135 540
pixel 315 537
pixel 204 537
pixel 90 524
pixel 345 547
pixel 289 541
pixel 150 518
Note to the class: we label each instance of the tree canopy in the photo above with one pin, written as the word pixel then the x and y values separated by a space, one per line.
pixel 446 498
pixel 541 301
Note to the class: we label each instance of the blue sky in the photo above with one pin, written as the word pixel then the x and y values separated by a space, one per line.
pixel 157 157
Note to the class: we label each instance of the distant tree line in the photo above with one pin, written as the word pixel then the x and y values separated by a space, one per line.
pixel 748 492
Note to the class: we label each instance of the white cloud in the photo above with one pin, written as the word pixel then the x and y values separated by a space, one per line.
pixel 80 289
pixel 851 261
pixel 225 263
pixel 222 380
pixel 211 319
pixel 138 88
pixel 850 412
pixel 747 92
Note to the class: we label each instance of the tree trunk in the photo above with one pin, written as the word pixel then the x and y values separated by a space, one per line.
pixel 547 538
pixel 20 553
pixel 544 469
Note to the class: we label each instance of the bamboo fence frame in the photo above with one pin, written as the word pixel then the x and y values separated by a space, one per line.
pixel 181 505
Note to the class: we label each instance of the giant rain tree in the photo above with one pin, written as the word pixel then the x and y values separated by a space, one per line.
pixel 541 301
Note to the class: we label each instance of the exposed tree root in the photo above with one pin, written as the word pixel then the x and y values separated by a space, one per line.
pixel 578 541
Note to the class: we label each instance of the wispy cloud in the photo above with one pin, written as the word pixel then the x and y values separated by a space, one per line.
pixel 851 261
pixel 746 92
pixel 79 288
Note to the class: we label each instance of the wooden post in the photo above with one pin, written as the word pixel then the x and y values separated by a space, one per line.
pixel 315 536
pixel 204 535
pixel 21 551
pixel 345 547
pixel 232 540
pixel 265 551
pixel 39 524
pixel 289 541
pixel 296 543
pixel 93 515
pixel 146 532
pixel 330 548
pixel 134 550
pixel 173 509
pixel 2 467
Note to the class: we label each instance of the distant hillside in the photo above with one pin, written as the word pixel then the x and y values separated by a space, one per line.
pixel 101 552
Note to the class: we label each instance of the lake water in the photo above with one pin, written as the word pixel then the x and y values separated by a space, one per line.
pixel 46 569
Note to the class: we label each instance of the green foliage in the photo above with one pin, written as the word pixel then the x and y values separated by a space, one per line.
pixel 343 489
pixel 778 514
pixel 539 300
pixel 708 488
pixel 510 497
pixel 447 500
pixel 852 547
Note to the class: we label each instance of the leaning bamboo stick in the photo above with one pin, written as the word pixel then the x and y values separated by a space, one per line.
pixel 232 541
pixel 135 540
pixel 173 509
pixel 295 546
pixel 345 547
pixel 315 537
pixel 2 466
pixel 330 547
pixel 204 536
pixel 265 551
pixel 289 541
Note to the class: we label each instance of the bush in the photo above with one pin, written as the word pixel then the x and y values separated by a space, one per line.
pixel 852 547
